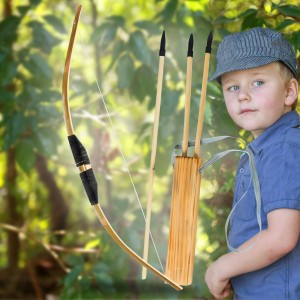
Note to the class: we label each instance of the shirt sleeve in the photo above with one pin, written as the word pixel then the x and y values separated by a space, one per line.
pixel 280 177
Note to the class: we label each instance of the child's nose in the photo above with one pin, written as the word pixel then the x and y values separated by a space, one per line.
pixel 244 95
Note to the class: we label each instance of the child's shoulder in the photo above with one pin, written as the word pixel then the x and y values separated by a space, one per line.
pixel 293 137
pixel 285 146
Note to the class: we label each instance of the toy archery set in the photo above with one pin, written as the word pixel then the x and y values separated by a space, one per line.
pixel 186 177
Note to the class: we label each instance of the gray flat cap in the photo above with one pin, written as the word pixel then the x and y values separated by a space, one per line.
pixel 253 48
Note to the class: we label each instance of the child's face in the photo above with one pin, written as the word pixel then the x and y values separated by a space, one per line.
pixel 256 98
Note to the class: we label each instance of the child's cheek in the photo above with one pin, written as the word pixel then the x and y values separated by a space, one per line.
pixel 231 108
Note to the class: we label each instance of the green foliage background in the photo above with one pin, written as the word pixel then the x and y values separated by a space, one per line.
pixel 43 209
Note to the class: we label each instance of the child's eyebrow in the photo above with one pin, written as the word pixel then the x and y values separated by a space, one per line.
pixel 259 73
pixel 255 73
pixel 228 81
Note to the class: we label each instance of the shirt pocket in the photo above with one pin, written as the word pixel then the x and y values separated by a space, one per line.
pixel 246 208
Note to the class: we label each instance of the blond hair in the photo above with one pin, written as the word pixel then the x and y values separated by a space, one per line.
pixel 286 75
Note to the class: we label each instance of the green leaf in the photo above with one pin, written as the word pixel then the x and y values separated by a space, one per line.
pixel 44 141
pixel 222 33
pixel 23 9
pixel 92 244
pixel 104 279
pixel 203 27
pixel 71 278
pixel 85 284
pixel 32 125
pixel 47 112
pixel 285 23
pixel 39 67
pixel 3 55
pixel 49 96
pixel 116 20
pixel 117 50
pixel 104 34
pixel 8 71
pixel 108 35
pixel 25 155
pixel 8 30
pixel 15 126
pixel 168 12
pixel 143 84
pixel 55 22
pixel 169 101
pixel 75 260
pixel 27 97
pixel 214 90
pixel 163 166
pixel 248 13
pixel 35 2
pixel 102 275
pixel 290 10
pixel 100 267
pixel 42 39
pixel 222 20
pixel 120 205
pixel 252 21
pixel 139 47
pixel 125 71
pixel 6 97
pixel 149 26
pixel 295 39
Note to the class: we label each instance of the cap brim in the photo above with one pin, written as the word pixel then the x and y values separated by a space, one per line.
pixel 242 64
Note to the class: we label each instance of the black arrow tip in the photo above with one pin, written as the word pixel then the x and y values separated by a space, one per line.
pixel 209 42
pixel 190 46
pixel 162 49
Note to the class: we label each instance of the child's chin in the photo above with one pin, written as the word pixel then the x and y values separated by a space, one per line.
pixel 256 131
pixel 253 129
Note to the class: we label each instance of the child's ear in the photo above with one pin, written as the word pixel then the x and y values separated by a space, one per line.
pixel 291 92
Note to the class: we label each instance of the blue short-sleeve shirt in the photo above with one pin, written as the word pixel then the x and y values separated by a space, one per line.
pixel 277 158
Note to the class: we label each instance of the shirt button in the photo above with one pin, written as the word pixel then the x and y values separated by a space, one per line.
pixel 242 170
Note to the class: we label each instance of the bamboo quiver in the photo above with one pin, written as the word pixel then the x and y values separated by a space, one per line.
pixel 183 220
pixel 186 191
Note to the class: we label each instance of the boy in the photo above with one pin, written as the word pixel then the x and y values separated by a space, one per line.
pixel 257 70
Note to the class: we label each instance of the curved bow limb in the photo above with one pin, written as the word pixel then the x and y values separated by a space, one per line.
pixel 86 172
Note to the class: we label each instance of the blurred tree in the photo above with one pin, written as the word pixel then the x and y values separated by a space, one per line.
pixel 27 101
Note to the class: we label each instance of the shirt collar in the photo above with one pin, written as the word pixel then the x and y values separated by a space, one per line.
pixel 275 132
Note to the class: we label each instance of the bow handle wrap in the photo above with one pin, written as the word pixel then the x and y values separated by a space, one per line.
pixel 90 185
pixel 86 172
pixel 79 152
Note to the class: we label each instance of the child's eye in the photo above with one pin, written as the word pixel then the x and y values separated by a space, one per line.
pixel 258 83
pixel 233 88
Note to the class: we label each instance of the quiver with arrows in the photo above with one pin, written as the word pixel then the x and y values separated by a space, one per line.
pixel 183 219
pixel 186 186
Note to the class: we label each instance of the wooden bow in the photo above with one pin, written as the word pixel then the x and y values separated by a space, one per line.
pixel 86 172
